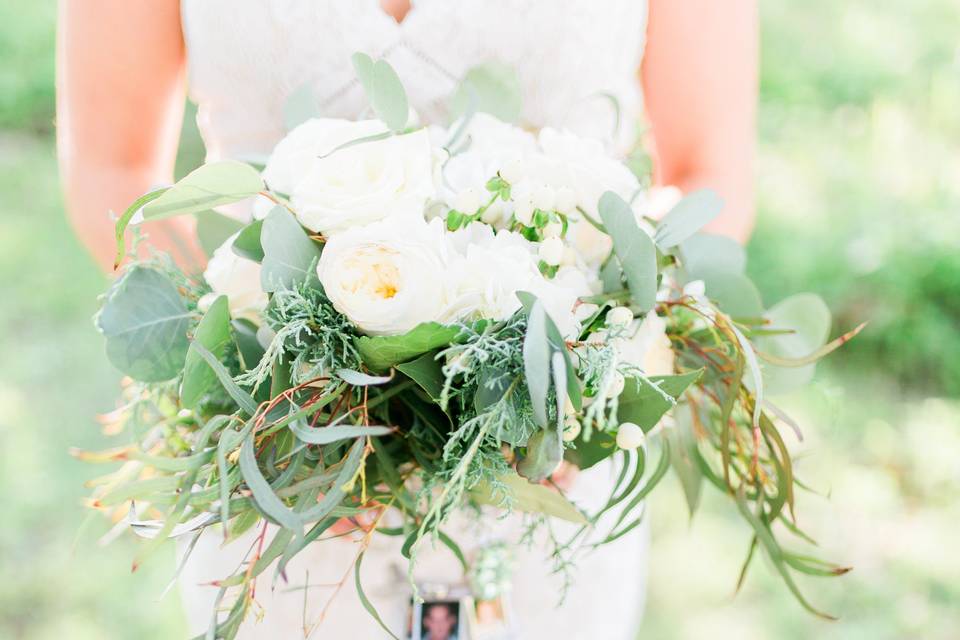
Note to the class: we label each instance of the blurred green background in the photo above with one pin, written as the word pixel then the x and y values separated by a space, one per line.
pixel 859 191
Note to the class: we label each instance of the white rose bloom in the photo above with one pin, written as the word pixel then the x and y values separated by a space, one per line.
pixel 366 183
pixel 237 278
pixel 389 276
pixel 293 156
pixel 647 346
pixel 489 270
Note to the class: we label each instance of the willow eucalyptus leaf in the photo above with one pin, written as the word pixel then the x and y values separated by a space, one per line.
pixel 528 497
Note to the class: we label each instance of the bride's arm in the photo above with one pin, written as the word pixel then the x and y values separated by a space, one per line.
pixel 120 94
pixel 700 85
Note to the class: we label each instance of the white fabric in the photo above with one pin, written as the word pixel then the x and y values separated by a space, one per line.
pixel 245 58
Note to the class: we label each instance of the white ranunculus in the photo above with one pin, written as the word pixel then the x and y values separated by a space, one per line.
pixel 294 155
pixel 237 278
pixel 389 276
pixel 647 346
pixel 355 185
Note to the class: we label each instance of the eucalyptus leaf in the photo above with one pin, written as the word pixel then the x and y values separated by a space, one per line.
pixel 528 497
pixel 808 318
pixel 493 88
pixel 334 433
pixel 734 293
pixel 145 322
pixel 384 90
pixel 301 105
pixel 382 352
pixel 683 457
pixel 687 217
pixel 289 255
pixel 703 254
pixel 245 335
pixel 210 185
pixel 634 249
pixel 360 379
pixel 213 229
pixel 263 494
pixel 247 243
pixel 544 454
pixel 213 332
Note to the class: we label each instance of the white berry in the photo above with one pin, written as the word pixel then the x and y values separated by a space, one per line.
pixel 468 201
pixel 617 386
pixel 551 251
pixel 552 230
pixel 493 214
pixel 566 200
pixel 630 436
pixel 523 210
pixel 544 198
pixel 619 317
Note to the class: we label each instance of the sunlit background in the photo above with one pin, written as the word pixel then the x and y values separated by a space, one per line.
pixel 859 194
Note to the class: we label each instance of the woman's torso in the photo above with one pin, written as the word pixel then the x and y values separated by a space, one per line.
pixel 245 59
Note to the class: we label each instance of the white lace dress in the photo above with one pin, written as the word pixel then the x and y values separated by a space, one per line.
pixel 245 58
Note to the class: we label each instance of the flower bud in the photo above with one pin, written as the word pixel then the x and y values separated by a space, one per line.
pixel 523 211
pixel 551 251
pixel 630 436
pixel 619 317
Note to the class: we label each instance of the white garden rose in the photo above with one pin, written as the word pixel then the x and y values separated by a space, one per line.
pixel 355 185
pixel 389 276
pixel 237 278
pixel 647 346
pixel 294 155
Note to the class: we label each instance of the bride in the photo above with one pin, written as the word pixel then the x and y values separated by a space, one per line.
pixel 121 80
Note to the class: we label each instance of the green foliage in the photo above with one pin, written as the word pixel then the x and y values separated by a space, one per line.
pixel 145 322
pixel 213 229
pixel 208 186
pixel 213 333
pixel 247 243
pixel 384 90
pixel 689 215
pixel 289 255
pixel 492 88
pixel 634 249
pixel 382 352
pixel 521 494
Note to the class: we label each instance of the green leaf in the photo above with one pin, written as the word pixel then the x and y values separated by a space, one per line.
pixel 334 433
pixel 145 322
pixel 365 601
pixel 644 406
pixel 263 494
pixel 633 247
pixel 734 293
pixel 493 88
pixel 528 497
pixel 247 243
pixel 213 332
pixel 301 105
pixel 536 361
pixel 684 457
pixel 426 372
pixel 208 186
pixel 289 255
pixel 689 215
pixel 241 397
pixel 245 335
pixel 587 453
pixel 382 352
pixel 544 454
pixel 809 318
pixel 384 90
pixel 213 229
pixel 703 254
pixel 125 219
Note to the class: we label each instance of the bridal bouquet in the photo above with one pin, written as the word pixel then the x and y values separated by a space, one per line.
pixel 419 319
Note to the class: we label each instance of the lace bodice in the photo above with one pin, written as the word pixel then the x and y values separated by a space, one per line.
pixel 246 57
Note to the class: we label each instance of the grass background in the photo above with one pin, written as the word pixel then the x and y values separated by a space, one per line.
pixel 859 191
